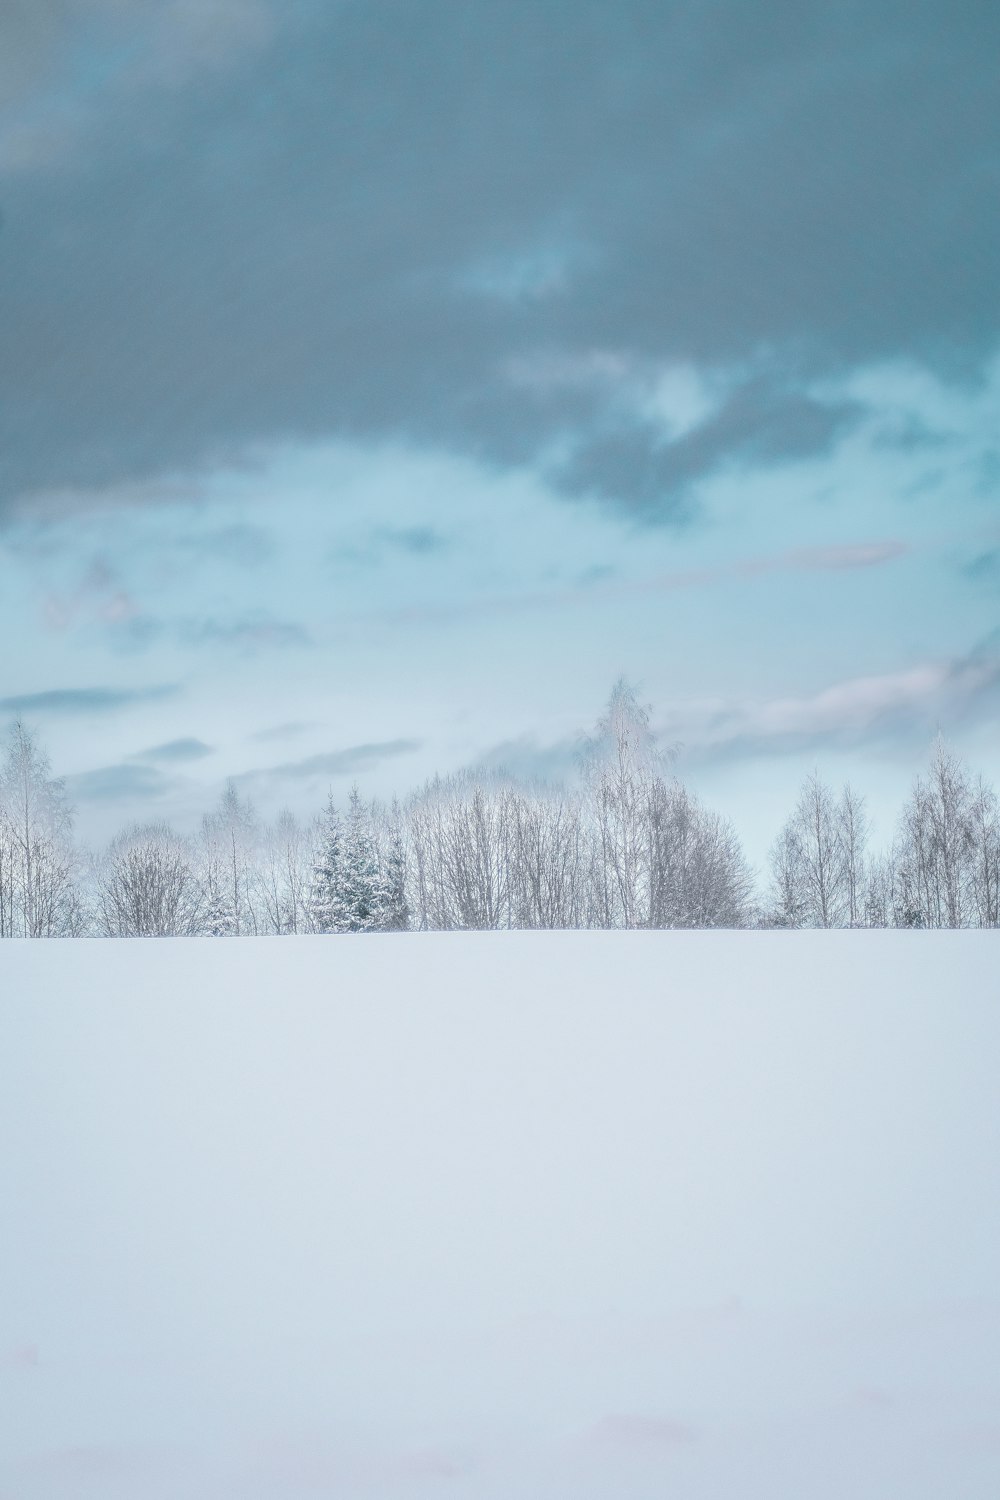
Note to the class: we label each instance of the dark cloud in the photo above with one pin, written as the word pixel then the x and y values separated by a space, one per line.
pixel 117 784
pixel 349 762
pixel 176 750
pixel 294 245
pixel 762 421
pixel 83 700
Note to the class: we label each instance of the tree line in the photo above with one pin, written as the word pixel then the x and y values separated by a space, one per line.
pixel 626 846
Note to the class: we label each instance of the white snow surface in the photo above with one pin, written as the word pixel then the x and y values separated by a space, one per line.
pixel 514 1216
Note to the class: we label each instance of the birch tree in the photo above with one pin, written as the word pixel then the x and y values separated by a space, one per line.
pixel 38 863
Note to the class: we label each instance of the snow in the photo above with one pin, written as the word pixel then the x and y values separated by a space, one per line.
pixel 569 1216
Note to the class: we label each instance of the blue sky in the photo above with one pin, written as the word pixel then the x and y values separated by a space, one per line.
pixel 378 382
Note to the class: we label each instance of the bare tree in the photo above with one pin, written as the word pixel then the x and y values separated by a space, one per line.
pixel 933 852
pixel 789 906
pixel 230 839
pixel 621 758
pixel 459 831
pixel 146 886
pixel 547 851
pixel 280 875
pixel 697 873
pixel 38 864
pixel 852 831
pixel 984 871
pixel 807 861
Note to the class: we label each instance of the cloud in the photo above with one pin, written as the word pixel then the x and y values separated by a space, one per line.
pixel 87 1467
pixel 835 558
pixel 254 632
pixel 304 1463
pixel 374 546
pixel 168 47
pixel 283 731
pixel 245 545
pixel 637 465
pixel 256 247
pixel 121 783
pixel 195 35
pixel 528 761
pixel 985 568
pixel 429 1464
pixel 416 540
pixel 247 634
pixel 603 583
pixel 348 762
pixel 894 707
pixel 176 750
pixel 906 707
pixel 642 1432
pixel 98 700
pixel 23 1357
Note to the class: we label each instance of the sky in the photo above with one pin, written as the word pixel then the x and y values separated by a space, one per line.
pixel 380 381
pixel 656 1214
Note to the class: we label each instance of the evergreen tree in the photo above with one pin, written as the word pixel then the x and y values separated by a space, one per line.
pixel 324 889
pixel 363 894
pixel 218 919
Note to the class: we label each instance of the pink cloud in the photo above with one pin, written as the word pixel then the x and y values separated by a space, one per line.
pixel 633 1431
pixel 861 555
pixel 836 557
pixel 89 1462
pixel 98 596
pixel 23 1357
pixel 916 701
pixel 873 1398
pixel 430 1463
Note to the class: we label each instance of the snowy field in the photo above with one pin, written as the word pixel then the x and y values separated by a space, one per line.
pixel 566 1216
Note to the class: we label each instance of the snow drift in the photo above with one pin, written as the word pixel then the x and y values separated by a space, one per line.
pixel 492 1215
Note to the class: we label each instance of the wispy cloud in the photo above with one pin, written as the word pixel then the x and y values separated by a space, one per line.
pixel 255 632
pixel 527 760
pixel 21 1357
pixel 374 546
pixel 833 558
pixel 892 708
pixel 244 545
pixel 246 634
pixel 124 783
pixel 348 762
pixel 897 706
pixel 984 568
pixel 604 584
pixel 97 700
pixel 175 750
pixel 644 1432
pixel 91 1467
pixel 284 731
